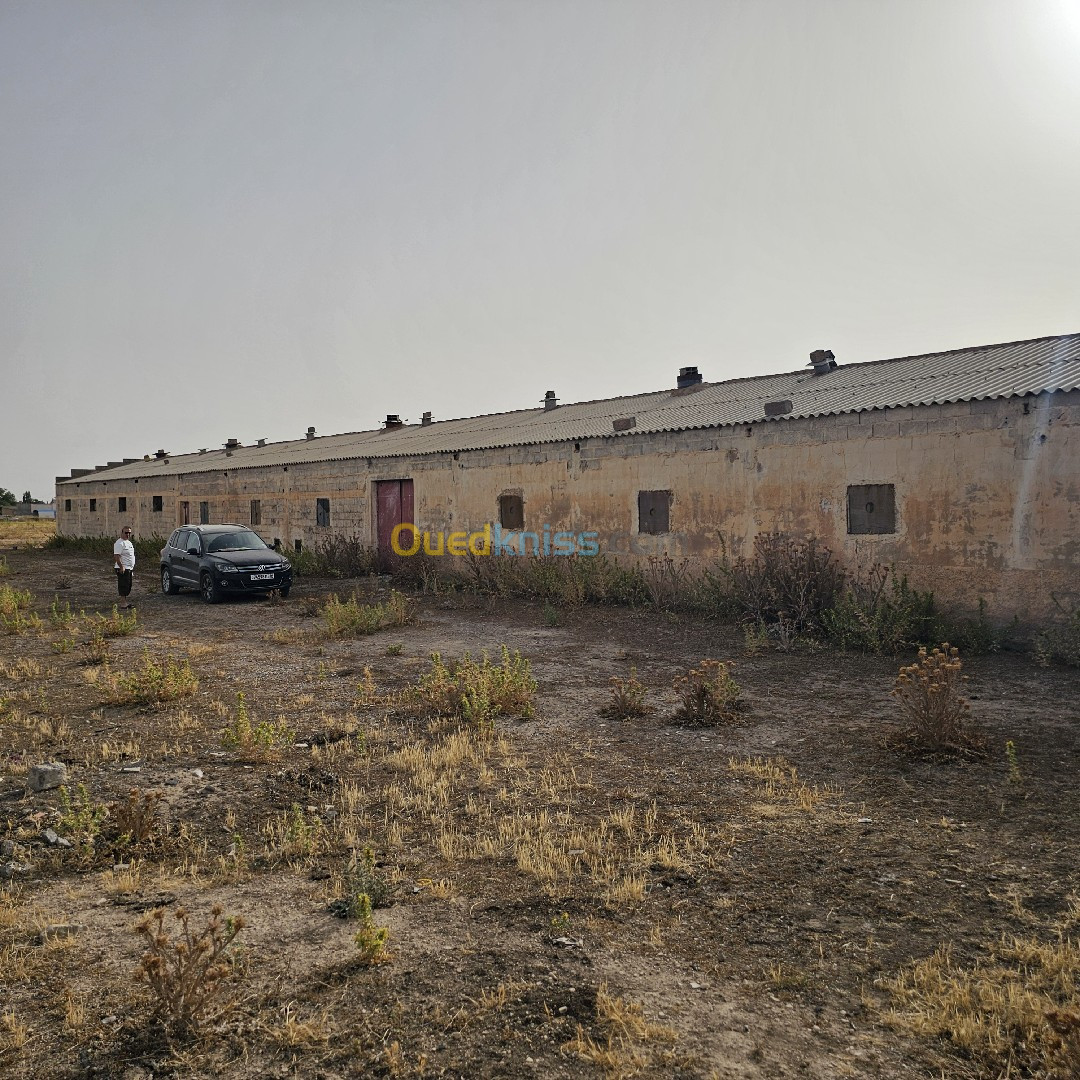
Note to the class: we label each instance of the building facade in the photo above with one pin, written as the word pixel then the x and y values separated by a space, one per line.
pixel 961 469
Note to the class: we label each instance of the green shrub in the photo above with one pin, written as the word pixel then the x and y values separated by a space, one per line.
pixel 475 692
pixel 154 678
pixel 370 939
pixel 147 548
pixel 881 613
pixel 355 619
pixel 15 614
pixel 241 734
pixel 118 624
pixel 362 878
pixel 1060 643
pixel 80 819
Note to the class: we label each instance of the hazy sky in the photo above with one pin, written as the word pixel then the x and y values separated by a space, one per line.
pixel 238 219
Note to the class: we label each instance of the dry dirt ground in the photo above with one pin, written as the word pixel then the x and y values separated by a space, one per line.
pixel 573 896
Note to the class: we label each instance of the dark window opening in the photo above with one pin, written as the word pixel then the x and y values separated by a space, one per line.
pixel 204 513
pixel 256 512
pixel 871 509
pixel 67 504
pixel 158 504
pixel 93 505
pixel 653 511
pixel 298 545
pixel 121 504
pixel 511 512
pixel 322 511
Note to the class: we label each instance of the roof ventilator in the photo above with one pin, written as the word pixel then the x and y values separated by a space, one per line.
pixel 550 401
pixel 425 420
pixel 822 361
pixel 688 376
pixel 159 454
pixel 311 432
pixel 393 422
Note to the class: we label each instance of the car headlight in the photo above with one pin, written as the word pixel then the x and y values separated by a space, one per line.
pixel 225 568
pixel 285 564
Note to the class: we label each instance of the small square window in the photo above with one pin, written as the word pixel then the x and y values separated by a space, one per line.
pixel 511 512
pixel 93 505
pixel 298 545
pixel 204 513
pixel 158 504
pixel 256 512
pixel 871 509
pixel 654 509
pixel 121 504
pixel 67 505
pixel 322 511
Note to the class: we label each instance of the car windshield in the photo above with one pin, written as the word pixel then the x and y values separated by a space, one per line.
pixel 237 541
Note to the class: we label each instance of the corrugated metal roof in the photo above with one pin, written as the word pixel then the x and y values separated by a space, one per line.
pixel 991 371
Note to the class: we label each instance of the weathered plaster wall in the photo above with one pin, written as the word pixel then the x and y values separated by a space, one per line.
pixel 987 494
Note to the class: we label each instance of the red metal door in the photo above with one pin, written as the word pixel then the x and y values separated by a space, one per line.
pixel 394 506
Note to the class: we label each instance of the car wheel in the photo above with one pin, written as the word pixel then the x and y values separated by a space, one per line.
pixel 283 592
pixel 168 586
pixel 208 589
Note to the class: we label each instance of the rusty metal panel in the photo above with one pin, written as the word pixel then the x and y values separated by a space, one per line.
pixel 654 512
pixel 871 509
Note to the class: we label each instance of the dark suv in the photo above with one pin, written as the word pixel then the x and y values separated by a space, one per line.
pixel 222 559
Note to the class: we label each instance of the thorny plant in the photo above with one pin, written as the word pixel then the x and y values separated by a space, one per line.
pixel 134 819
pixel 707 694
pixel 189 973
pixel 627 698
pixel 928 693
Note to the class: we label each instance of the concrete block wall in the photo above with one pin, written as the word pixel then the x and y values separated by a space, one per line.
pixel 987 494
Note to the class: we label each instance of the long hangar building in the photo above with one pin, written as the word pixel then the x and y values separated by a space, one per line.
pixel 960 468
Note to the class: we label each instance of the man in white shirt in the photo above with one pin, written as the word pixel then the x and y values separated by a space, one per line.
pixel 124 564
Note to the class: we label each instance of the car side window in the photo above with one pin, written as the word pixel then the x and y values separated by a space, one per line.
pixel 180 539
pixel 174 540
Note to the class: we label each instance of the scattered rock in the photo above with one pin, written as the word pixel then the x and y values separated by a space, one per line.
pixel 568 942
pixel 50 836
pixel 51 774
pixel 9 869
pixel 7 848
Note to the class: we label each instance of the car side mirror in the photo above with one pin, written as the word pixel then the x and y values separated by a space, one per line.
pixel 193 550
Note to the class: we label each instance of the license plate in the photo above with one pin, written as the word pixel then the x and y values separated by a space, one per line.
pixel 262 577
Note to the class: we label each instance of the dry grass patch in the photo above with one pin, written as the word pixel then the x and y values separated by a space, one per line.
pixel 779 782
pixel 1015 1008
pixel 629 1045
